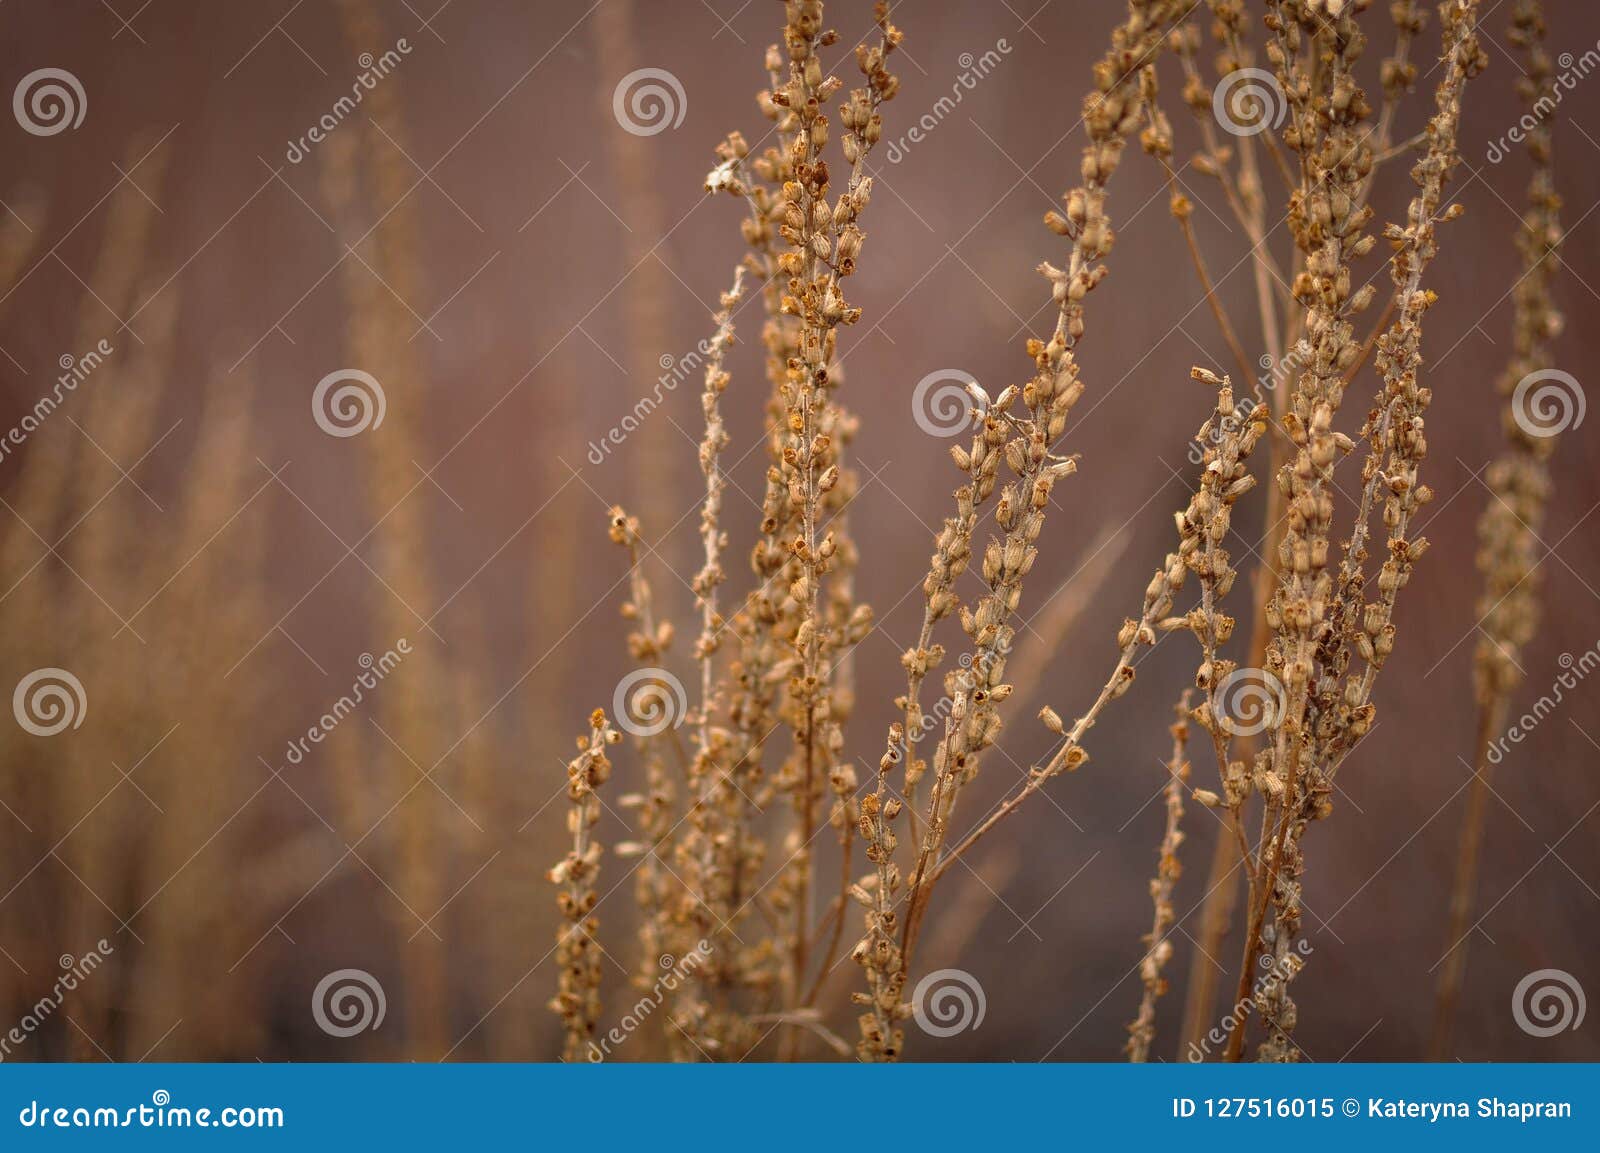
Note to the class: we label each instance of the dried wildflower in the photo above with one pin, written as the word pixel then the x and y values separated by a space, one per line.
pixel 824 240
pixel 655 890
pixel 1111 114
pixel 577 999
pixel 1143 1029
pixel 1322 619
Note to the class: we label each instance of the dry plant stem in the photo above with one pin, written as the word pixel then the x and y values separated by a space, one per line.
pixel 1326 109
pixel 1244 194
pixel 713 538
pixel 1463 890
pixel 1246 200
pixel 1397 75
pixel 1323 624
pixel 1124 81
pixel 1519 480
pixel 1158 140
pixel 952 554
pixel 657 891
pixel 577 999
pixel 1143 1030
pixel 1224 479
pixel 715 839
pixel 824 241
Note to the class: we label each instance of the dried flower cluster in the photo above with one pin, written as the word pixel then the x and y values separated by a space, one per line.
pixel 1168 869
pixel 1331 641
pixel 578 951
pixel 1318 632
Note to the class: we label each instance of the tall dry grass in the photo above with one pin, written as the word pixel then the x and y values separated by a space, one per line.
pixel 761 793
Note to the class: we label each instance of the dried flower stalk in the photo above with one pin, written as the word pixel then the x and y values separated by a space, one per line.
pixel 577 999
pixel 1111 114
pixel 1323 619
pixel 1143 1029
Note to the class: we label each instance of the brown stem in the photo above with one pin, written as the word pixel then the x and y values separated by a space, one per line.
pixel 1491 720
